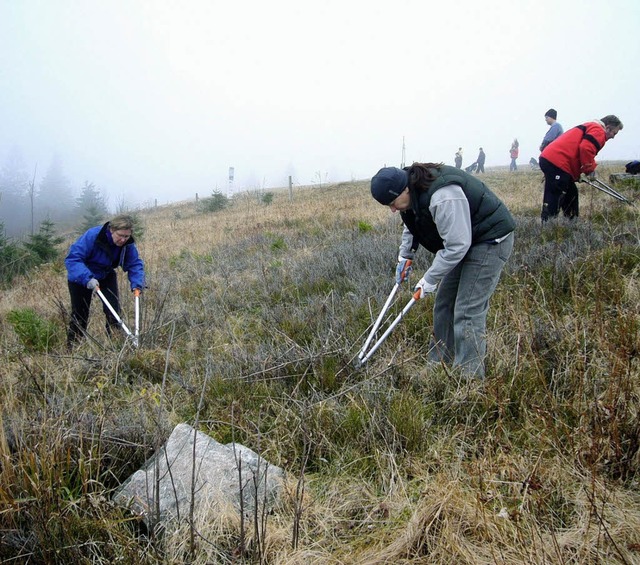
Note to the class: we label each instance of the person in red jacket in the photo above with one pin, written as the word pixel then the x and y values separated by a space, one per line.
pixel 513 153
pixel 569 156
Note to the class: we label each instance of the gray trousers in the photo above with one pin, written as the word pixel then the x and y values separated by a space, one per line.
pixel 461 306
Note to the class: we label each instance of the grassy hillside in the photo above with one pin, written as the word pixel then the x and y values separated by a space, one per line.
pixel 251 322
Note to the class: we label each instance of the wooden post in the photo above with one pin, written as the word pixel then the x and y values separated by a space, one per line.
pixel 290 188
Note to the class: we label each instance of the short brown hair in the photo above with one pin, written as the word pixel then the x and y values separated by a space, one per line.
pixel 121 222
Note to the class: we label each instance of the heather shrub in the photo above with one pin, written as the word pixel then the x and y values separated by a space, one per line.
pixel 250 328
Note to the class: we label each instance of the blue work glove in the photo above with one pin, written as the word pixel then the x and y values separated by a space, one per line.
pixel 425 288
pixel 92 284
pixel 403 270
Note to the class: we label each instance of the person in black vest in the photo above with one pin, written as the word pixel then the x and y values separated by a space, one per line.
pixel 456 216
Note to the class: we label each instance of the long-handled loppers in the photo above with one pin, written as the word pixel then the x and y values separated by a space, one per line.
pixel 119 319
pixel 136 331
pixel 603 187
pixel 378 321
pixel 365 355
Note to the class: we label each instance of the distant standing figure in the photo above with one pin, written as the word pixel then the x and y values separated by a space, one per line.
pixel 513 153
pixel 91 264
pixel 458 158
pixel 555 130
pixel 569 156
pixel 480 161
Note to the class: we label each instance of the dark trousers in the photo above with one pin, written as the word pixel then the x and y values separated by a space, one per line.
pixel 560 192
pixel 480 167
pixel 81 306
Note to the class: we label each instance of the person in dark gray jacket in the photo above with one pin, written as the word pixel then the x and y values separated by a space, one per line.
pixel 456 216
pixel 480 160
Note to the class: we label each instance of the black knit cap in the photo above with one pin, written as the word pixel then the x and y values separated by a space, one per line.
pixel 551 113
pixel 388 183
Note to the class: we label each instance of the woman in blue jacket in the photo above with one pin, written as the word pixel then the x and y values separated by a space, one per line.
pixel 91 263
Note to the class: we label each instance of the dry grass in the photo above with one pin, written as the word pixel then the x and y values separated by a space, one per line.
pixel 402 462
pixel 184 228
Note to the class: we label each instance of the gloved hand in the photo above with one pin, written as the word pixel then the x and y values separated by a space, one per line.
pixel 92 284
pixel 592 176
pixel 403 270
pixel 425 288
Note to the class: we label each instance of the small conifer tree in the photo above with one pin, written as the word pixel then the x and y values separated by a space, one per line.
pixel 42 245
pixel 93 216
pixel 217 201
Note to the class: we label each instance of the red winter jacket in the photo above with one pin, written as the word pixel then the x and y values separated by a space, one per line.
pixel 575 150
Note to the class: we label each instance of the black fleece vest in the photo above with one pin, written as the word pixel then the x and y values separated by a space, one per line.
pixel 490 218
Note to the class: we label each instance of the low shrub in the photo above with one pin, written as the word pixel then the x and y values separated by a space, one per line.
pixel 35 333
pixel 216 202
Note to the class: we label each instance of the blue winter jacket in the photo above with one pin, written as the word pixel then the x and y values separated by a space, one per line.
pixel 94 255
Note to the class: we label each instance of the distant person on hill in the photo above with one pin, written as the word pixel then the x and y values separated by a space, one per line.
pixel 480 161
pixel 456 216
pixel 458 158
pixel 91 263
pixel 569 156
pixel 555 130
pixel 513 153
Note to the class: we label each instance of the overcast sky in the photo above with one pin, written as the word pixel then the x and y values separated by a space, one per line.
pixel 156 99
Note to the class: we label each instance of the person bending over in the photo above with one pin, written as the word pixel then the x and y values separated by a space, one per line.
pixel 92 262
pixel 456 216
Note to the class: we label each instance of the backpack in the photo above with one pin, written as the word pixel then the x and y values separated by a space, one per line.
pixel 632 167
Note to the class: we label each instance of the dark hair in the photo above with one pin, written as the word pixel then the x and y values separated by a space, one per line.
pixel 612 121
pixel 421 175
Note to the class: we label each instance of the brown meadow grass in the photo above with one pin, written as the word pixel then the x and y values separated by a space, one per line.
pixel 265 306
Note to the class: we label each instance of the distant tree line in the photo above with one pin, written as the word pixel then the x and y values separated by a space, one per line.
pixel 25 202
pixel 31 214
